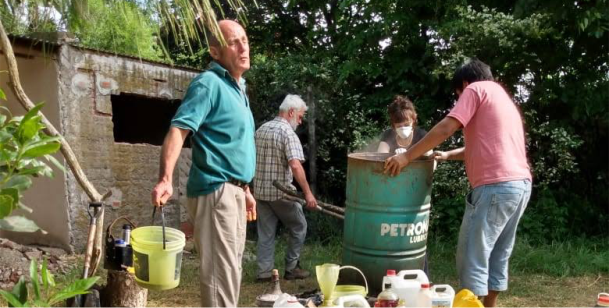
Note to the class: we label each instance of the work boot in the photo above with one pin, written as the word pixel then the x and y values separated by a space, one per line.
pixel 296 273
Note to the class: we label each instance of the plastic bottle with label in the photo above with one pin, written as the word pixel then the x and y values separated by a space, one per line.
pixel 425 296
pixel 443 296
pixel 602 300
pixel 387 298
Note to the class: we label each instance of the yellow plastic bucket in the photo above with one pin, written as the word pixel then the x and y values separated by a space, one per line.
pixel 157 268
pixel 348 289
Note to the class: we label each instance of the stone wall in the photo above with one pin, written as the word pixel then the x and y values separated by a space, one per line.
pixel 87 80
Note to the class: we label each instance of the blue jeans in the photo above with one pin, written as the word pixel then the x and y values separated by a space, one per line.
pixel 487 234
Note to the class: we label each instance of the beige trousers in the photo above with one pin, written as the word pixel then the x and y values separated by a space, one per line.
pixel 219 232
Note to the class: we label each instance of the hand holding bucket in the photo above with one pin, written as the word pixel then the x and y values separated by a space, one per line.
pixel 157 255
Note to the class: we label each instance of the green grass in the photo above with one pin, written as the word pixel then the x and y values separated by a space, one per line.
pixel 569 273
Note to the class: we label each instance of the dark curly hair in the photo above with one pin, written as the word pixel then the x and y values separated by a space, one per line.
pixel 401 109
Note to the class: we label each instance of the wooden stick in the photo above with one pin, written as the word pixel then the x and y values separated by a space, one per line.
pixel 319 208
pixel 298 194
pixel 66 150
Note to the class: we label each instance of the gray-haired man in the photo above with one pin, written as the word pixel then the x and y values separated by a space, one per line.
pixel 279 156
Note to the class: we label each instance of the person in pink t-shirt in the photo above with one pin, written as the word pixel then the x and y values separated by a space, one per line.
pixel 498 172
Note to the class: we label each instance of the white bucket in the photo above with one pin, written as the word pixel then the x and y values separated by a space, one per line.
pixel 406 284
pixel 442 296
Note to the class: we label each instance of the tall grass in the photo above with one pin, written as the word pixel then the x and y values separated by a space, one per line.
pixel 570 258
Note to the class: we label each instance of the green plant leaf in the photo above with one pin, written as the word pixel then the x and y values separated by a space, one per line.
pixel 7 204
pixel 11 299
pixel 19 224
pixel 20 182
pixel 45 275
pixel 2 119
pixel 2 95
pixel 29 128
pixel 34 170
pixel 20 290
pixel 55 162
pixel 33 112
pixel 80 286
pixel 34 279
pixel 40 303
pixel 42 150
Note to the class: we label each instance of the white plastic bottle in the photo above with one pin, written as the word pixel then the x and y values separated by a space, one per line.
pixel 443 296
pixel 425 296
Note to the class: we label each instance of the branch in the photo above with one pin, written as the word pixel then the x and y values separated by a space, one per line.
pixel 66 150
pixel 298 194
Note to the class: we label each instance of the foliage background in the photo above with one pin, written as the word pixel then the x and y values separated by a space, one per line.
pixel 352 56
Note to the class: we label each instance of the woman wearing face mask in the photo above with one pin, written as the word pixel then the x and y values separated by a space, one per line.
pixel 404 133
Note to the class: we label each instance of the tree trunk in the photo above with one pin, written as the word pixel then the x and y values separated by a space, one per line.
pixel 312 142
pixel 121 290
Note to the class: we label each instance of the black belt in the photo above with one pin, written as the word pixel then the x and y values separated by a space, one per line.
pixel 239 184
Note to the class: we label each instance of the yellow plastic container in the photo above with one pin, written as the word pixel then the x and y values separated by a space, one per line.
pixel 465 298
pixel 157 268
pixel 348 289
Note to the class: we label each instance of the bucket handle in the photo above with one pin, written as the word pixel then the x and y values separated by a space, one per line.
pixel 162 222
pixel 357 269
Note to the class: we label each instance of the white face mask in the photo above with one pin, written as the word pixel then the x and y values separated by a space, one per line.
pixel 404 131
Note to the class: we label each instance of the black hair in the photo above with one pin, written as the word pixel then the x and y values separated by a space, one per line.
pixel 471 71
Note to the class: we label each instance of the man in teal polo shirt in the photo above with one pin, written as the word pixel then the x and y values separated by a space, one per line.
pixel 216 110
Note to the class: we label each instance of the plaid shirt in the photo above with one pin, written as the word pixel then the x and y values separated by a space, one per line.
pixel 276 145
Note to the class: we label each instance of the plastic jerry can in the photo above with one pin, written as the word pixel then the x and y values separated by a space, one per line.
pixel 442 296
pixel 425 296
pixel 406 284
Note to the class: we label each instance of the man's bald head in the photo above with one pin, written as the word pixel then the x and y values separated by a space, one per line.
pixel 226 26
pixel 235 55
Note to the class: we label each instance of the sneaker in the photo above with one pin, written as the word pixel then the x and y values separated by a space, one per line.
pixel 296 273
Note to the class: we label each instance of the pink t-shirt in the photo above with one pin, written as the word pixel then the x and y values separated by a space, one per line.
pixel 494 135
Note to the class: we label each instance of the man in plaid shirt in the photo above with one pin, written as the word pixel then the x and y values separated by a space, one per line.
pixel 278 157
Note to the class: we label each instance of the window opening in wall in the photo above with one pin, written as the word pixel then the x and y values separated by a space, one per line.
pixel 142 119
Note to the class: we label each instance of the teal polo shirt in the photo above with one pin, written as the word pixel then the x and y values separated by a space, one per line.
pixel 216 109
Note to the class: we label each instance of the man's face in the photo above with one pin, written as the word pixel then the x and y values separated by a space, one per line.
pixel 296 117
pixel 235 57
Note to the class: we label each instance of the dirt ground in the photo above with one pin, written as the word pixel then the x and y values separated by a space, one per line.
pixel 525 290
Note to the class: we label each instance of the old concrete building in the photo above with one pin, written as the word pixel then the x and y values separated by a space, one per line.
pixel 114 111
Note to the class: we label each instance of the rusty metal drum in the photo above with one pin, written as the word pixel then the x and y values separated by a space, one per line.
pixel 386 218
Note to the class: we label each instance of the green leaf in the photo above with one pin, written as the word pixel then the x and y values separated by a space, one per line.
pixel 29 128
pixel 11 299
pixel 40 303
pixel 20 290
pixel 2 95
pixel 42 150
pixel 7 204
pixel 34 279
pixel 2 119
pixel 33 112
pixel 80 286
pixel 55 162
pixel 20 182
pixel 45 275
pixel 19 224
pixel 34 170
